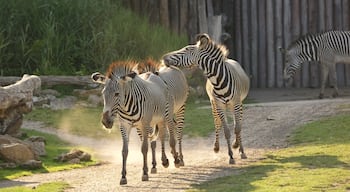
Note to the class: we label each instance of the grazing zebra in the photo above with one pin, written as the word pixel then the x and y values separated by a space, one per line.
pixel 227 84
pixel 139 101
pixel 329 48
pixel 178 89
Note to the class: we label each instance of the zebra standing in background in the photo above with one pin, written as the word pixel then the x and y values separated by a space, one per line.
pixel 176 81
pixel 227 85
pixel 329 48
pixel 139 101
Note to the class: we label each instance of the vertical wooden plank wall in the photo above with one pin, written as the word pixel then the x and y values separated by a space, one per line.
pixel 258 29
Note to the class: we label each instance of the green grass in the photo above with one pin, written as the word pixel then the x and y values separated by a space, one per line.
pixel 54 147
pixel 52 187
pixel 49 37
pixel 319 160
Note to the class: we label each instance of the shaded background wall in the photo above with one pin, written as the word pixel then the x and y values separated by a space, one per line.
pixel 258 28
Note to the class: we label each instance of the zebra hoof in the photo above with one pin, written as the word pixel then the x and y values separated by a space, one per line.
pixel 232 161
pixel 166 164
pixel 123 181
pixel 154 170
pixel 177 163
pixel 243 156
pixel 144 177
pixel 182 163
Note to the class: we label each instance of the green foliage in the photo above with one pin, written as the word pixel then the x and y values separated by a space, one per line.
pixel 318 161
pixel 52 187
pixel 54 147
pixel 77 37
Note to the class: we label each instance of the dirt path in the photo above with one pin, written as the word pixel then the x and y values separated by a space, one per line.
pixel 266 127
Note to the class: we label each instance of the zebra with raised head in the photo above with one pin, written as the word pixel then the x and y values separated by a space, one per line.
pixel 176 81
pixel 329 48
pixel 227 85
pixel 140 101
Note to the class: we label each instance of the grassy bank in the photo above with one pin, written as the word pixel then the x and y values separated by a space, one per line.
pixel 54 147
pixel 319 160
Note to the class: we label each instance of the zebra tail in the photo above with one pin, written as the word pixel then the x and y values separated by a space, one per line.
pixel 154 135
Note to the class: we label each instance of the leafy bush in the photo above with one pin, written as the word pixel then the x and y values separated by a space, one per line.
pixel 75 37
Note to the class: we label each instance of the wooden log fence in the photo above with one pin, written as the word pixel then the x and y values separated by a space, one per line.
pixel 258 29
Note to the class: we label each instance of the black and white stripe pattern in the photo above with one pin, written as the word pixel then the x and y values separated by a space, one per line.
pixel 227 84
pixel 177 85
pixel 140 101
pixel 329 48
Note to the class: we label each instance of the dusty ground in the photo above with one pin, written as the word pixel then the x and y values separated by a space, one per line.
pixel 267 125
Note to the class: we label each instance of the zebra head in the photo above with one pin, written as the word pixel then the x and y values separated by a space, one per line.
pixel 293 60
pixel 112 95
pixel 189 55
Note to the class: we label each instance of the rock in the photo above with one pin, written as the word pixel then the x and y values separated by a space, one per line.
pixel 74 161
pixel 95 100
pixel 7 165
pixel 32 164
pixel 74 154
pixel 16 100
pixel 85 157
pixel 16 152
pixel 38 148
pixel 36 139
pixel 63 103
pixel 50 92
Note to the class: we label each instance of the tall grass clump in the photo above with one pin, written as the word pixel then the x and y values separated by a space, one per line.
pixel 75 37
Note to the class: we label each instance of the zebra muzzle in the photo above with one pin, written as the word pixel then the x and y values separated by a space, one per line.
pixel 107 121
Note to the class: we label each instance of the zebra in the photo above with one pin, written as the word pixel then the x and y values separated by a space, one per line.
pixel 227 85
pixel 139 101
pixel 176 81
pixel 328 48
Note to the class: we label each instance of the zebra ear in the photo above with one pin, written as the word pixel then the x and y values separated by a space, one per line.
pixel 203 39
pixel 129 76
pixel 98 78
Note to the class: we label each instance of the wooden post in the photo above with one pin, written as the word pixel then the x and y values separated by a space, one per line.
pixel 254 44
pixel 164 13
pixel 279 42
pixel 193 20
pixel 183 16
pixel 245 37
pixel 202 17
pixel 175 16
pixel 270 44
pixel 262 43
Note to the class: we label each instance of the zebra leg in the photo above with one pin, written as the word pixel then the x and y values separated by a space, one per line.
pixel 218 125
pixel 165 161
pixel 144 150
pixel 154 162
pixel 221 117
pixel 238 113
pixel 333 79
pixel 125 152
pixel 325 71
pixel 169 117
pixel 180 117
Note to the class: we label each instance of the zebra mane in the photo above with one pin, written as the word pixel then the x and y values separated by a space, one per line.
pixel 120 68
pixel 148 65
pixel 222 48
pixel 306 36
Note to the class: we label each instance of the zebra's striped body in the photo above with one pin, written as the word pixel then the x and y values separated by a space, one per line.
pixel 227 85
pixel 329 48
pixel 178 89
pixel 139 101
